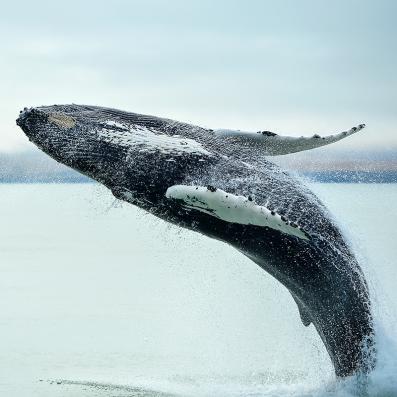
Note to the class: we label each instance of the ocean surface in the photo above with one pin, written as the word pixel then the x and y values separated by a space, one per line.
pixel 98 298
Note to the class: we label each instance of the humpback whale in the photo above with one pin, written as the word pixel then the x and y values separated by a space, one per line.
pixel 219 183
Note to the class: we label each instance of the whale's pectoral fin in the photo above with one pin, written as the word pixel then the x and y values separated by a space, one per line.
pixel 231 208
pixel 274 145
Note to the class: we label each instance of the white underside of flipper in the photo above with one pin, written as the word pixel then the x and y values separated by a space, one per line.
pixel 231 208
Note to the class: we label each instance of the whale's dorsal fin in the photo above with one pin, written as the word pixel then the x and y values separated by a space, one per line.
pixel 231 208
pixel 274 145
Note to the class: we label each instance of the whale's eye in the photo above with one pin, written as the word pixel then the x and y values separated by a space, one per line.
pixel 62 121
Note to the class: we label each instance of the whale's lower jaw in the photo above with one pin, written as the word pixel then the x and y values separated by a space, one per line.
pixel 215 185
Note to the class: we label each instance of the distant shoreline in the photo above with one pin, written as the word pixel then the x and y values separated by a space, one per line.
pixel 318 167
pixel 351 176
pixel 340 176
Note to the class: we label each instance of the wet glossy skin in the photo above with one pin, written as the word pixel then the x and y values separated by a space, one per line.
pixel 139 157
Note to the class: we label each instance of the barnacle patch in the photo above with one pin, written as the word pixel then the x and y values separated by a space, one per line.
pixel 62 120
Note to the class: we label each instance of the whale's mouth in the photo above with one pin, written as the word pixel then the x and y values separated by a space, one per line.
pixel 53 132
pixel 42 126
pixel 63 135
pixel 91 130
pixel 29 118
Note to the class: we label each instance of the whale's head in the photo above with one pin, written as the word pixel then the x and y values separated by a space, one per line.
pixel 127 152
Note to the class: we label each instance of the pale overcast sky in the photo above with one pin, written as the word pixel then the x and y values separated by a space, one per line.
pixel 295 67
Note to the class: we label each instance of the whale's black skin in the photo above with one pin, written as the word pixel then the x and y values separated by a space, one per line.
pixel 321 273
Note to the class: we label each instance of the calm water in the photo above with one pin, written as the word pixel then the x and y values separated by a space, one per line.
pixel 100 299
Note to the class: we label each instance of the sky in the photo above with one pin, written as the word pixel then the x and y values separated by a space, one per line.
pixel 292 67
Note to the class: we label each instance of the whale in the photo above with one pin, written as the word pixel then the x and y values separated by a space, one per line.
pixel 221 183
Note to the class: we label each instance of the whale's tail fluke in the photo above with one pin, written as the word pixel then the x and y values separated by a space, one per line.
pixel 274 145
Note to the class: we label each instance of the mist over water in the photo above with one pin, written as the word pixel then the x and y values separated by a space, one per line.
pixel 106 300
pixel 367 215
